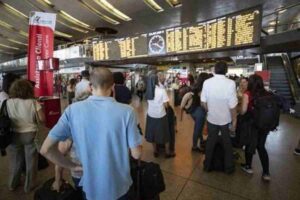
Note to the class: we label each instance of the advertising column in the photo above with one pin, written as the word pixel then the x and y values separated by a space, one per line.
pixel 41 37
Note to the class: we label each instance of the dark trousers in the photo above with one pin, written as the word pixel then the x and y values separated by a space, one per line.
pixel 219 133
pixel 262 152
pixel 198 115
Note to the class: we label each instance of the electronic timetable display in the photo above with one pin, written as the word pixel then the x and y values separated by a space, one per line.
pixel 240 29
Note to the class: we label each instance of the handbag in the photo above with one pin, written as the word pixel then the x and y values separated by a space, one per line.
pixel 37 139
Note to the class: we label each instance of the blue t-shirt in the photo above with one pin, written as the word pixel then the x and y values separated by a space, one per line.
pixel 103 131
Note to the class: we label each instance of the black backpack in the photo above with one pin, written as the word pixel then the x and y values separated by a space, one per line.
pixel 266 112
pixel 148 181
pixel 6 133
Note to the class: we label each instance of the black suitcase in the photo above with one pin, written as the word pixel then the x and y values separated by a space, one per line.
pixel 148 181
pixel 67 192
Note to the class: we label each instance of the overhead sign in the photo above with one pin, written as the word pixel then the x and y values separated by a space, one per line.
pixel 241 29
pixel 41 37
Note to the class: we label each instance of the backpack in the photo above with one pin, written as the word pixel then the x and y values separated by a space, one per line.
pixel 148 180
pixel 266 112
pixel 6 132
pixel 183 90
pixel 194 104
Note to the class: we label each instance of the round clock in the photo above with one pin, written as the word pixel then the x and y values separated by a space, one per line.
pixel 156 44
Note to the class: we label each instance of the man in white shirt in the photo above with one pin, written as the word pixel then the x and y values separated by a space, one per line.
pixel 84 85
pixel 219 98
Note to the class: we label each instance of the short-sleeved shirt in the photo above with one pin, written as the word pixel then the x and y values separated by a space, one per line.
pixel 122 94
pixel 156 108
pixel 102 130
pixel 22 113
pixel 220 95
pixel 81 87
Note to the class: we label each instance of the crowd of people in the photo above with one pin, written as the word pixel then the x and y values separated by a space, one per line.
pixel 101 133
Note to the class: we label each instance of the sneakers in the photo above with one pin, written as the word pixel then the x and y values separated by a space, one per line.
pixel 297 152
pixel 266 177
pixel 247 169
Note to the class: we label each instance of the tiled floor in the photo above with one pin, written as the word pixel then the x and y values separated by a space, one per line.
pixel 185 179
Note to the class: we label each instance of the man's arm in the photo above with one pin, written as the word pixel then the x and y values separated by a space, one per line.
pixel 232 103
pixel 50 151
pixel 134 138
pixel 136 152
pixel 233 113
pixel 204 105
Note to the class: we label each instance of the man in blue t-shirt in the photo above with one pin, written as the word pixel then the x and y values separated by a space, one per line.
pixel 103 132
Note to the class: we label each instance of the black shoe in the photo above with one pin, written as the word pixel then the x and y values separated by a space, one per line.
pixel 297 152
pixel 197 149
pixel 170 155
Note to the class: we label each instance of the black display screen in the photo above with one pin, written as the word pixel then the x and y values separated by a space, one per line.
pixel 240 29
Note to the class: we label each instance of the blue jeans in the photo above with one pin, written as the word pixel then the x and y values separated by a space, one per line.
pixel 198 115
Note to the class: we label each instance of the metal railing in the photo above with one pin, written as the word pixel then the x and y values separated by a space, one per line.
pixel 276 26
pixel 295 89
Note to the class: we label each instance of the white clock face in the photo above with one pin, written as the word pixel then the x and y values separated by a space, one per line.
pixel 157 44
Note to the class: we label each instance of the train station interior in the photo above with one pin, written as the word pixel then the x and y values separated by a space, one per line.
pixel 56 45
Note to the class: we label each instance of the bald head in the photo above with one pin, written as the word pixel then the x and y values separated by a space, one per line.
pixel 101 78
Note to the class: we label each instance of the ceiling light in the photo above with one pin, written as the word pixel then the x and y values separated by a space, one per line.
pixel 58 21
pixel 72 27
pixel 13 29
pixel 6 52
pixel 273 22
pixel 63 34
pixel 152 4
pixel 174 3
pixel 282 11
pixel 47 2
pixel 17 42
pixel 11 40
pixel 13 10
pixel 101 15
pixel 73 19
pixel 111 9
pixel 9 47
pixel 270 30
pixel 65 15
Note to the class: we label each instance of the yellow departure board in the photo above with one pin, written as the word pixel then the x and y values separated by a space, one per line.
pixel 237 30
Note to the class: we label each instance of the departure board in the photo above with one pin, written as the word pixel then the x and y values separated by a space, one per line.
pixel 237 30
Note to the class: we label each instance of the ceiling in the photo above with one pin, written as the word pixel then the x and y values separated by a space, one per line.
pixel 143 18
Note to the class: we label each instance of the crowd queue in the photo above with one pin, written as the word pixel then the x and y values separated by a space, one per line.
pixel 100 131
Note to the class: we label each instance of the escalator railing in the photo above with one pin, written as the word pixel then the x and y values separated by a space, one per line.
pixel 294 86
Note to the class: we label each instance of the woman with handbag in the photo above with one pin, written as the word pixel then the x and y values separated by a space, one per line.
pixel 24 113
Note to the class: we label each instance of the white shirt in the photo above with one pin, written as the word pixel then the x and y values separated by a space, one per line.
pixel 220 95
pixel 22 113
pixel 156 108
pixel 3 96
pixel 81 87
